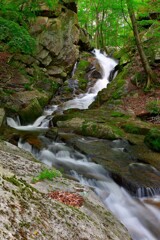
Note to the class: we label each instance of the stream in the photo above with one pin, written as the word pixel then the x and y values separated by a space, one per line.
pixel 140 218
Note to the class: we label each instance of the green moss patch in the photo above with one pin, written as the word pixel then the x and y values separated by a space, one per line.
pixel 80 74
pixel 152 139
pixel 135 129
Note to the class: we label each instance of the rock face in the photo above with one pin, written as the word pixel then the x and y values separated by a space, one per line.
pixel 58 41
pixel 28 213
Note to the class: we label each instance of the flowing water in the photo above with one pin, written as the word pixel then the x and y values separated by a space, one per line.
pixel 141 218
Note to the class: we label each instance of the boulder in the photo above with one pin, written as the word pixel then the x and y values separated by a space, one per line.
pixel 60 39
pixel 28 212
pixel 28 105
pixel 88 128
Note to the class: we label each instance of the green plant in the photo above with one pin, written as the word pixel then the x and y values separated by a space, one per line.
pixel 15 37
pixel 48 174
pixel 153 107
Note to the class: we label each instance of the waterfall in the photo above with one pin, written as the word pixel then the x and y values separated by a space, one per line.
pixel 141 219
pixel 41 123
pixel 84 100
pixel 74 69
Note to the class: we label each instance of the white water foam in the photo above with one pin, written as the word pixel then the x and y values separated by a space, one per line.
pixel 41 123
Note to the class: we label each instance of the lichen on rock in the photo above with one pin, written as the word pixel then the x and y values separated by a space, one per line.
pixel 28 213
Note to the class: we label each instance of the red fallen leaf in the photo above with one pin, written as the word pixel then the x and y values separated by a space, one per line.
pixel 71 199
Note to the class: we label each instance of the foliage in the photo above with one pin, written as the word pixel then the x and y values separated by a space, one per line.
pixel 108 21
pixel 16 38
pixel 48 174
pixel 15 21
pixel 154 107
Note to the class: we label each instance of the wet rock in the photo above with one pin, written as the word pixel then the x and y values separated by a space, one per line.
pixel 29 104
pixel 126 163
pixel 52 133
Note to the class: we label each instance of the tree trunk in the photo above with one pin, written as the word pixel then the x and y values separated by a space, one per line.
pixel 151 77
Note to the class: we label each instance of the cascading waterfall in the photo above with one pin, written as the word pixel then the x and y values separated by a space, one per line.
pixel 40 124
pixel 84 100
pixel 141 219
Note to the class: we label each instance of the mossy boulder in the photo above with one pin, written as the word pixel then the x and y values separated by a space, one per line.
pixel 138 128
pixel 28 105
pixel 89 128
pixel 80 74
pixel 152 139
pixel 114 91
pixel 99 130
pixel 31 112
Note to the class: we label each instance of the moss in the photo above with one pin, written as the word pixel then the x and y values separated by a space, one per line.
pixel 67 89
pixel 118 114
pixel 119 91
pixel 24 187
pixel 13 180
pixel 130 128
pixel 84 128
pixel 153 106
pixel 100 130
pixel 43 100
pixel 31 112
pixel 152 139
pixel 117 131
pixel 80 74
pixel 114 91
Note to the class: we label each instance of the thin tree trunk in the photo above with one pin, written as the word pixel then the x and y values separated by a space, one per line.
pixel 151 77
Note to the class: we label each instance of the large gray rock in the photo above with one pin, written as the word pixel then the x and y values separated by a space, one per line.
pixel 60 38
pixel 28 213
